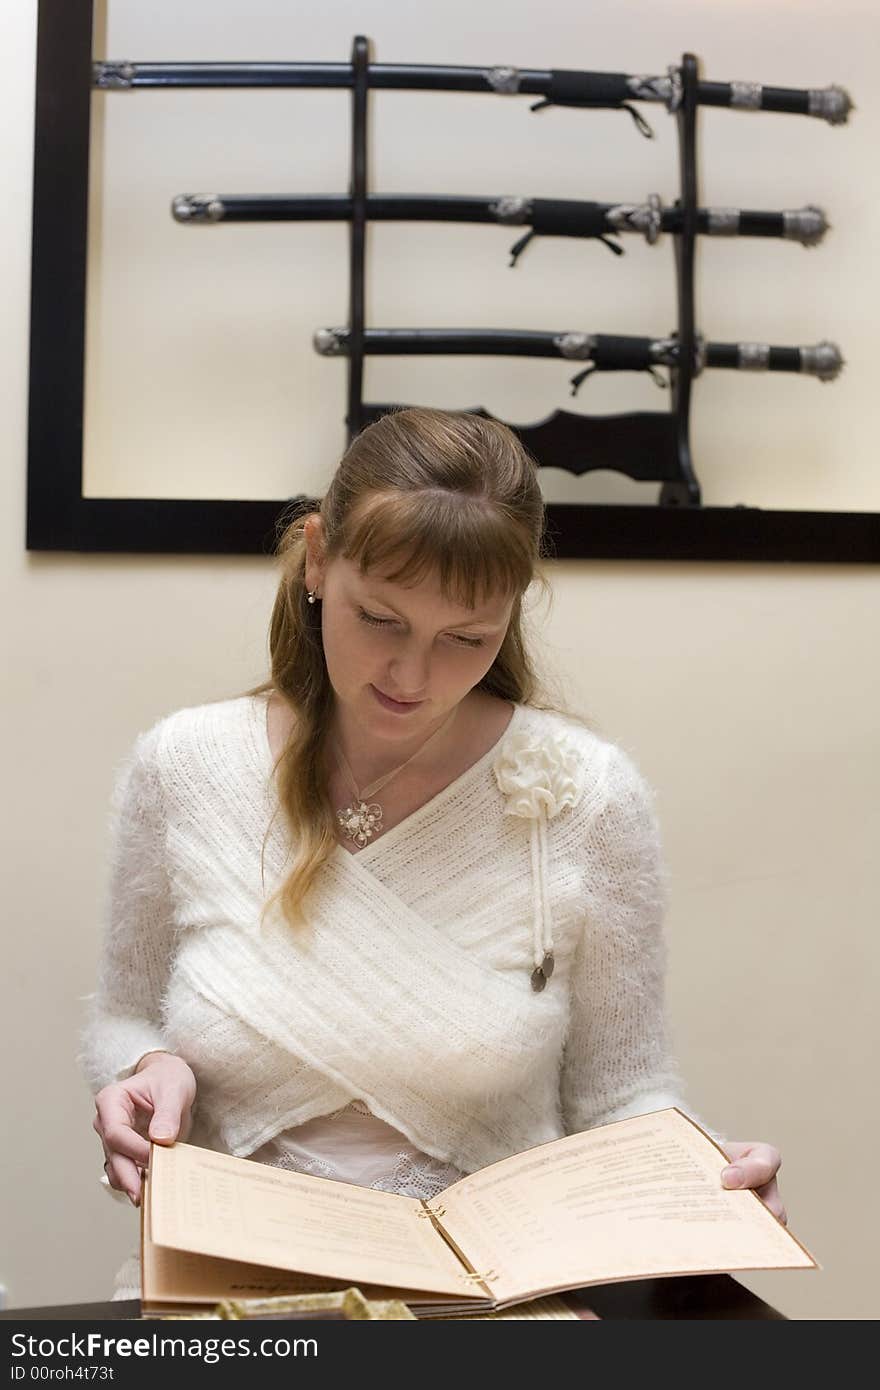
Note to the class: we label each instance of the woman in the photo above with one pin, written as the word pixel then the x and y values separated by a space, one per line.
pixel 388 917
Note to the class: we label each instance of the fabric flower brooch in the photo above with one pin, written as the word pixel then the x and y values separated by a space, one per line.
pixel 539 777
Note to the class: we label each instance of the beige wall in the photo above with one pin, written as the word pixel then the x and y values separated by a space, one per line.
pixel 747 693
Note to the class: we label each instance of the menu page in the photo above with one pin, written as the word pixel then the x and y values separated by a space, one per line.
pixel 634 1199
pixel 214 1204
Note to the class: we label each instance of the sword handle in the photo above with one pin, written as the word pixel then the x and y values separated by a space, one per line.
pixel 822 360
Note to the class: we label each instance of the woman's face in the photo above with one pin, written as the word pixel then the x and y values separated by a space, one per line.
pixel 408 644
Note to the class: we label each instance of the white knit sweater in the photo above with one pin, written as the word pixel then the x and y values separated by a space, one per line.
pixel 410 988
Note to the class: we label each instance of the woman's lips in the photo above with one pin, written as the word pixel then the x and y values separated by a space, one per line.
pixel 398 706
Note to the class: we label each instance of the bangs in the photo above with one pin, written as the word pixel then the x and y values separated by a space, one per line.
pixel 468 541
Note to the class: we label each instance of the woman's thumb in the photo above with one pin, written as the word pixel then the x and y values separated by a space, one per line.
pixel 163 1127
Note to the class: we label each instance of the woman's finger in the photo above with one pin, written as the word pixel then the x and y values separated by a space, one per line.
pixel 167 1098
pixel 120 1126
pixel 114 1123
pixel 166 1122
pixel 124 1176
pixel 753 1165
pixel 769 1195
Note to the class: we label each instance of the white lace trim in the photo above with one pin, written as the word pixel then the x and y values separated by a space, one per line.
pixel 354 1145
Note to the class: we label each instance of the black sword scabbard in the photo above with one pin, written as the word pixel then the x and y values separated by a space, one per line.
pixel 603 352
pixel 544 216
pixel 557 87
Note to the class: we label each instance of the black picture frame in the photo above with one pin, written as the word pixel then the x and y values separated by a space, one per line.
pixel 60 518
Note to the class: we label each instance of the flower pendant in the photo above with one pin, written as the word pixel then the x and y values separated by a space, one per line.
pixel 538 776
pixel 360 821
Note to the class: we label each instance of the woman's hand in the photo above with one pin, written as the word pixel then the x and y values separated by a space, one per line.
pixel 755 1166
pixel 153 1104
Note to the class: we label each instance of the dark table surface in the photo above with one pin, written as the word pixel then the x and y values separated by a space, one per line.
pixel 695 1296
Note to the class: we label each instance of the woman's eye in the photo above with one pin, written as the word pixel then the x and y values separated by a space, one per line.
pixel 373 621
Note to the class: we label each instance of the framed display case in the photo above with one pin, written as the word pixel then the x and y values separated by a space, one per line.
pixel 127 454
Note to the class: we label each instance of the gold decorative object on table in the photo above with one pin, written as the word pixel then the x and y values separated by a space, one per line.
pixel 351 1303
pixel 347 1303
pixel 342 1304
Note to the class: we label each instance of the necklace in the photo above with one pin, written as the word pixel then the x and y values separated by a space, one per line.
pixel 361 820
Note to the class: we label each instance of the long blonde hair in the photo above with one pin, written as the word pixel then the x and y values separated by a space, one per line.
pixel 428 492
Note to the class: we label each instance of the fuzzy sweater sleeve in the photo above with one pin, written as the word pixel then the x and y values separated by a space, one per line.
pixel 123 1019
pixel 617 1060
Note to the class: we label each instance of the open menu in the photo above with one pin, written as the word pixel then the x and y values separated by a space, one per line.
pixel 635 1199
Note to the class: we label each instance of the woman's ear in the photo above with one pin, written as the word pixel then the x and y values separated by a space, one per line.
pixel 313 530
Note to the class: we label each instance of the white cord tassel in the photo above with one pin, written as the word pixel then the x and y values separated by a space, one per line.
pixel 542 930
pixel 539 777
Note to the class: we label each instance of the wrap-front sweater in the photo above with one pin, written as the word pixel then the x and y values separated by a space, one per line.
pixel 410 987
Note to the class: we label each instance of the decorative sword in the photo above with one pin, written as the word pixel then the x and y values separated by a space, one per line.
pixel 555 86
pixel 545 216
pixel 604 352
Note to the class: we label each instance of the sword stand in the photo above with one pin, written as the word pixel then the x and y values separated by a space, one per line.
pixel 648 446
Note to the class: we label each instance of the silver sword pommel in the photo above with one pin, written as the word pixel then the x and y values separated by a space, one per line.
pixel 831 104
pixel 824 360
pixel 807 225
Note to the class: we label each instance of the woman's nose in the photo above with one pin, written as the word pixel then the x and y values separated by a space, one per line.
pixel 410 674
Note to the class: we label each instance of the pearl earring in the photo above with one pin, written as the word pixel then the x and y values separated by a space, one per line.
pixel 312 595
